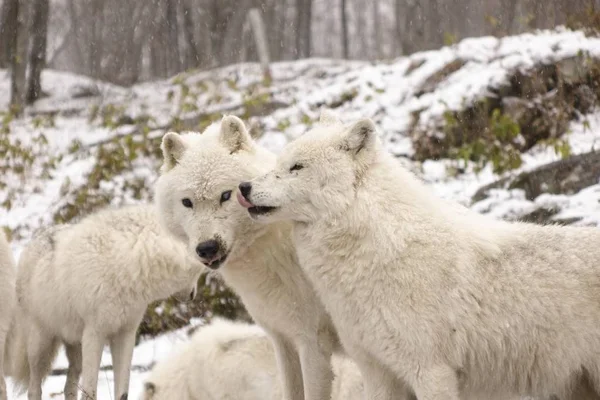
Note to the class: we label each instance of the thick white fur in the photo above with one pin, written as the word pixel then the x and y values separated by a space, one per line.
pixel 453 302
pixel 232 360
pixel 261 264
pixel 89 284
pixel 7 303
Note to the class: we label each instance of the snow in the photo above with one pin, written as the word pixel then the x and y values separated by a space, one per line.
pixel 390 93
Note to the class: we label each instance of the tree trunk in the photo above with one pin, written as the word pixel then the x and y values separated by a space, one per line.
pixel 82 66
pixel 510 12
pixel 376 30
pixel 409 26
pixel 19 60
pixel 307 28
pixel 303 28
pixel 299 26
pixel 399 28
pixel 158 46
pixel 260 40
pixel 344 22
pixel 172 26
pixel 431 17
pixel 219 15
pixel 8 31
pixel 192 54
pixel 96 44
pixel 37 58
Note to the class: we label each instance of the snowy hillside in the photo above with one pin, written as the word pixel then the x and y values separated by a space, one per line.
pixel 89 144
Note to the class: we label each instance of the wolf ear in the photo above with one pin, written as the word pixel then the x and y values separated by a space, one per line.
pixel 234 135
pixel 173 148
pixel 360 137
pixel 329 117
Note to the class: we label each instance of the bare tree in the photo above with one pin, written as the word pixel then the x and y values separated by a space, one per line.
pixel 219 17
pixel 125 41
pixel 303 28
pixel 18 66
pixel 510 8
pixel 344 22
pixel 193 52
pixel 96 39
pixel 432 19
pixel 260 38
pixel 76 42
pixel 376 30
pixel 8 31
pixel 37 56
pixel 172 26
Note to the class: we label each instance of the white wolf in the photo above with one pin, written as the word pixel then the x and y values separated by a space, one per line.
pixel 454 302
pixel 195 196
pixel 88 284
pixel 7 303
pixel 231 360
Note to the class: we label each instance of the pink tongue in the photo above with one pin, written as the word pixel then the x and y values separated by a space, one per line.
pixel 243 202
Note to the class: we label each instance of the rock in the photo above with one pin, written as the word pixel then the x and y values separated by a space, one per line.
pixel 515 107
pixel 585 98
pixel 530 84
pixel 545 216
pixel 414 64
pixel 560 177
pixel 434 80
pixel 573 70
pixel 539 216
pixel 81 91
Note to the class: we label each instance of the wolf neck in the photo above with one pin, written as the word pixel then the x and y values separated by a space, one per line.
pixel 167 268
pixel 269 257
pixel 393 205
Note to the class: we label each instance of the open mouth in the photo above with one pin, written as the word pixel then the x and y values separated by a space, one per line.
pixel 253 209
pixel 260 210
pixel 215 263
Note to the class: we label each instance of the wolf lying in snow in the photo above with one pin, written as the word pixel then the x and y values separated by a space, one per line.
pixel 88 284
pixel 230 360
pixel 455 303
pixel 7 302
pixel 195 196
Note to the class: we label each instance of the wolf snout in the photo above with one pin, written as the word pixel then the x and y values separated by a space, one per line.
pixel 245 189
pixel 244 193
pixel 207 250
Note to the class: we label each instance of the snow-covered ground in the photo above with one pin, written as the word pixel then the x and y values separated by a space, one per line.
pixel 388 92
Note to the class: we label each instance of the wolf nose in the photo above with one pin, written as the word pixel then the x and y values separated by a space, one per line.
pixel 245 189
pixel 207 250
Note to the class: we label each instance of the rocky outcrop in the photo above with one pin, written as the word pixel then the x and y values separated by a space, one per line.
pixel 532 106
pixel 566 176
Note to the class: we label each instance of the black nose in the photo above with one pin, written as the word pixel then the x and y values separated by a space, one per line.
pixel 245 189
pixel 208 249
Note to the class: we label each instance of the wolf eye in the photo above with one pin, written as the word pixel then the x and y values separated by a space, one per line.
pixel 187 203
pixel 296 167
pixel 226 195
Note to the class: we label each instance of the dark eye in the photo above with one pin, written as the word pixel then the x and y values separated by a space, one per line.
pixel 226 195
pixel 296 167
pixel 187 203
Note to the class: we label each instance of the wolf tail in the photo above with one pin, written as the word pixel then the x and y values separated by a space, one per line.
pixel 15 356
pixel 16 362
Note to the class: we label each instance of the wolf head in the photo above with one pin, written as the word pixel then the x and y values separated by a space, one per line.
pixel 196 190
pixel 315 175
